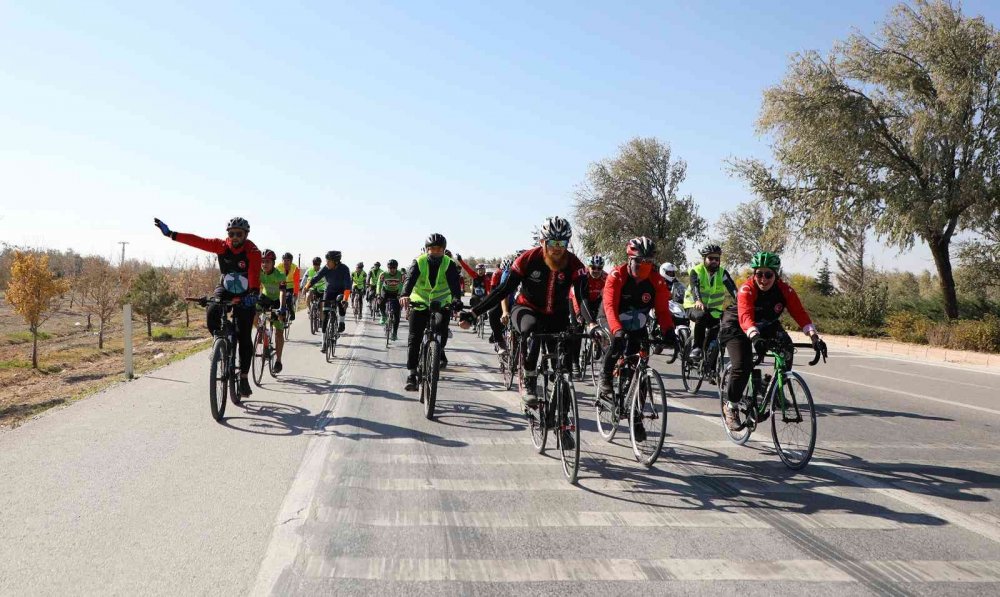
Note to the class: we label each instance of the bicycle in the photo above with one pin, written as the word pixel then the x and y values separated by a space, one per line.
pixel 392 320
pixel 224 374
pixel 372 307
pixel 639 396
pixel 766 397
pixel 263 346
pixel 558 407
pixel 591 353
pixel 681 328
pixel 315 316
pixel 332 331
pixel 509 361
pixel 357 301
pixel 429 362
pixel 709 369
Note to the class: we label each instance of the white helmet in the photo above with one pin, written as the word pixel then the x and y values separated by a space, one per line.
pixel 668 267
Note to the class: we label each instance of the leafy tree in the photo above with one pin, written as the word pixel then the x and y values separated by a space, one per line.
pixel 636 194
pixel 899 129
pixel 152 298
pixel 824 279
pixel 33 291
pixel 748 229
pixel 849 247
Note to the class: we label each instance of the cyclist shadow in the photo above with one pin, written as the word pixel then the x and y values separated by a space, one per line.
pixel 367 430
pixel 377 393
pixel 834 410
pixel 302 385
pixel 468 415
pixel 275 419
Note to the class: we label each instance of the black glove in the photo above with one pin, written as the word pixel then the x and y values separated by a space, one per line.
pixel 457 256
pixel 758 342
pixel 162 226
pixel 819 345
pixel 456 305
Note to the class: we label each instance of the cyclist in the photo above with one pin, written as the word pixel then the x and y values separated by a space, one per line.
pixel 756 316
pixel 292 274
pixel 337 277
pixel 632 290
pixel 372 281
pixel 496 314
pixel 388 287
pixel 433 277
pixel 359 281
pixel 596 278
pixel 274 295
pixel 317 289
pixel 545 275
pixel 239 265
pixel 669 272
pixel 706 294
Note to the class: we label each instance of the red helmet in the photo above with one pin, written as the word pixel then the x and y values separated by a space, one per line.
pixel 268 254
pixel 641 247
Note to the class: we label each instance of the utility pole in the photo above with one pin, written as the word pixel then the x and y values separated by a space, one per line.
pixel 123 243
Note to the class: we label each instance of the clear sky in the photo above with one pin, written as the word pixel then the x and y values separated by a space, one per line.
pixel 364 126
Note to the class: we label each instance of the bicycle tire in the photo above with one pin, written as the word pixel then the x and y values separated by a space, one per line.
pixel 737 437
pixel 432 368
pixel 257 359
pixel 388 331
pixel 234 385
pixel 607 418
pixel 272 354
pixel 688 370
pixel 218 379
pixel 328 338
pixel 568 422
pixel 538 420
pixel 513 361
pixel 649 403
pixel 800 402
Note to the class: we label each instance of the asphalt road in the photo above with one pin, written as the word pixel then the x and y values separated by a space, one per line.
pixel 330 480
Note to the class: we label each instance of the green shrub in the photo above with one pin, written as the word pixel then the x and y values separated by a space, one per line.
pixel 968 334
pixel 165 334
pixel 22 337
pixel 865 309
pixel 15 364
pixel 907 326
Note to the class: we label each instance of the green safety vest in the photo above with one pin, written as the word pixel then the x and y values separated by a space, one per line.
pixel 310 274
pixel 391 283
pixel 359 278
pixel 713 290
pixel 424 293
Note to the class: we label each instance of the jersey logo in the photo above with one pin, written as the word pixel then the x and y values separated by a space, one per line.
pixel 778 308
pixel 242 264
pixel 536 275
pixel 561 277
pixel 646 297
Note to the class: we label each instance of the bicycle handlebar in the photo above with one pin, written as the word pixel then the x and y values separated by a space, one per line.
pixel 771 345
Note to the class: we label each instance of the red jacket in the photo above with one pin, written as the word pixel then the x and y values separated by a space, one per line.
pixel 595 291
pixel 485 279
pixel 622 293
pixel 753 311
pixel 245 259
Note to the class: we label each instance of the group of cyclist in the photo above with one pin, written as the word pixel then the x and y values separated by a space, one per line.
pixel 545 289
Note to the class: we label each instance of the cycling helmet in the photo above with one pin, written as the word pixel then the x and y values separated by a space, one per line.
pixel 377 264
pixel 596 261
pixel 317 261
pixel 392 263
pixel 287 256
pixel 480 266
pixel 668 267
pixel 268 254
pixel 555 228
pixel 239 223
pixel 505 264
pixel 710 248
pixel 436 240
pixel 641 247
pixel 361 265
pixel 335 255
pixel 765 259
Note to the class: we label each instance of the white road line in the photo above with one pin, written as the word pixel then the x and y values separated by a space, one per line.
pixel 562 519
pixel 904 393
pixel 949 381
pixel 286 539
pixel 606 569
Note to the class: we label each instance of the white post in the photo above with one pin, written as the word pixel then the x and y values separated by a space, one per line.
pixel 127 320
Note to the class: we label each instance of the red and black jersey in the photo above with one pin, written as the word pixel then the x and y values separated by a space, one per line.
pixel 757 307
pixel 625 297
pixel 478 281
pixel 542 289
pixel 240 267
pixel 595 292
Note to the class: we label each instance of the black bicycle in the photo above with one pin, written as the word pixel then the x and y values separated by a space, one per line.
pixel 709 368
pixel 315 315
pixel 557 404
pixel 357 301
pixel 429 363
pixel 224 373
pixel 332 331
pixel 392 321
pixel 510 361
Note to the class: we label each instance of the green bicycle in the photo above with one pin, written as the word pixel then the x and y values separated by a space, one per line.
pixel 784 397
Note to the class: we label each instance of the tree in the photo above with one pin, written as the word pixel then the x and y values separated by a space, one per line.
pixel 636 194
pixel 748 229
pixel 103 289
pixel 824 279
pixel 849 247
pixel 152 298
pixel 33 291
pixel 900 128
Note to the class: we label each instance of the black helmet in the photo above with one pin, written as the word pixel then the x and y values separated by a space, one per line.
pixel 268 254
pixel 555 228
pixel 392 264
pixel 710 248
pixel 335 255
pixel 239 223
pixel 287 256
pixel 436 240
pixel 641 247
pixel 597 261
pixel 317 261
pixel 361 265
pixel 377 264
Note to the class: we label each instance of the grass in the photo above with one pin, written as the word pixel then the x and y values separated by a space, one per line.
pixel 15 364
pixel 24 337
pixel 162 334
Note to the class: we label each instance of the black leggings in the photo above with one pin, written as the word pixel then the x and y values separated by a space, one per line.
pixel 418 323
pixel 741 356
pixel 707 322
pixel 633 339
pixel 495 326
pixel 526 320
pixel 244 327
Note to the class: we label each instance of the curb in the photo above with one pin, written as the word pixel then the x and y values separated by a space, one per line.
pixel 917 352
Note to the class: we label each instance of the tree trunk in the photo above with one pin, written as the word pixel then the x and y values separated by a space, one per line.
pixel 149 326
pixel 100 336
pixel 187 315
pixel 940 246
pixel 34 348
pixel 89 325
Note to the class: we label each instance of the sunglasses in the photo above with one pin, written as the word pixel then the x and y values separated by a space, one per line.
pixel 559 244
pixel 713 258
pixel 641 259
pixel 237 234
pixel 763 275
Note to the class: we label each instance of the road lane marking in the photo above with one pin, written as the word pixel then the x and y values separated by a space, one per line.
pixel 904 393
pixel 949 381
pixel 607 569
pixel 286 539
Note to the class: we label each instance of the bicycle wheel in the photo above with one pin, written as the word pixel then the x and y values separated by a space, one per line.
pixel 593 362
pixel 234 378
pixel 741 436
pixel 257 362
pixel 271 354
pixel 330 338
pixel 219 379
pixel 538 423
pixel 649 405
pixel 432 366
pixel 690 372
pixel 568 428
pixel 607 418
pixel 793 421
pixel 513 360
pixel 682 336
pixel 388 331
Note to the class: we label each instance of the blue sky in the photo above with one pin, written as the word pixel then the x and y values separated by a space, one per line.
pixel 364 126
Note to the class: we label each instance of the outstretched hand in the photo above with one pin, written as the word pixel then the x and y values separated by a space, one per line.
pixel 162 226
